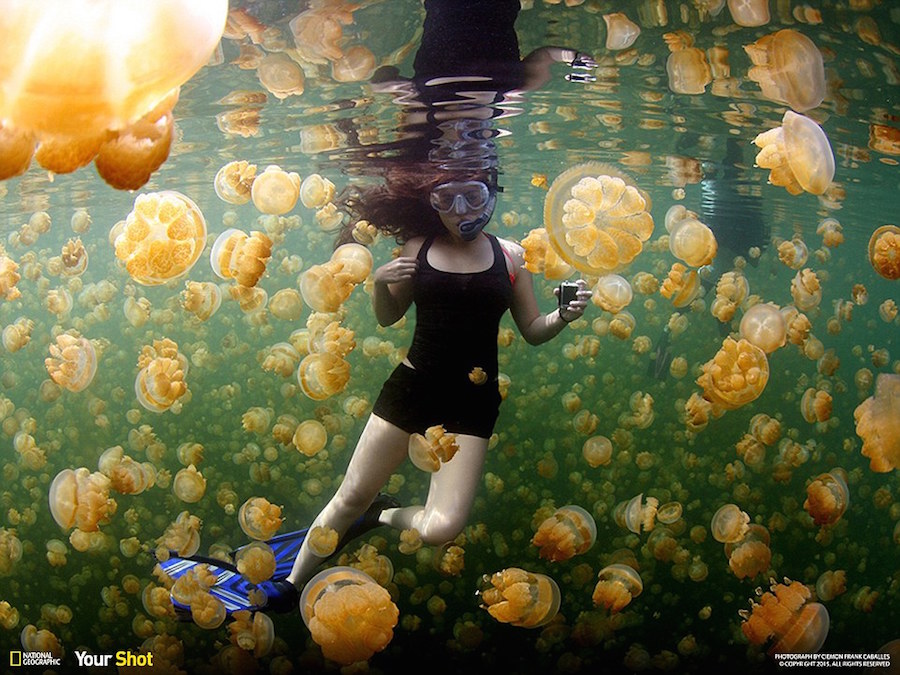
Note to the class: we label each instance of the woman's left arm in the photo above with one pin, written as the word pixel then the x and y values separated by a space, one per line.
pixel 534 326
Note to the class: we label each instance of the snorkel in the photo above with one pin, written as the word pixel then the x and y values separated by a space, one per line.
pixel 470 229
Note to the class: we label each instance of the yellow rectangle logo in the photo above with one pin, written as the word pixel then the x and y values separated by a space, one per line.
pixel 15 659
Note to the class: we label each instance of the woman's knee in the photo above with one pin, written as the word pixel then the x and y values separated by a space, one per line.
pixel 437 531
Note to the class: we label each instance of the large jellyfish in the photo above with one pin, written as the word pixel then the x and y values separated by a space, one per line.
pixel 789 69
pixel 161 238
pixel 348 615
pixel 736 375
pixel 878 424
pixel 785 616
pixel 596 218
pixel 520 598
pixel 884 251
pixel 798 155
pixel 59 92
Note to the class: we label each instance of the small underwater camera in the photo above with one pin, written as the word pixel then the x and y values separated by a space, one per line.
pixel 568 291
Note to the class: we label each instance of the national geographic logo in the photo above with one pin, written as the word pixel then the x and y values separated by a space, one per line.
pixel 19 659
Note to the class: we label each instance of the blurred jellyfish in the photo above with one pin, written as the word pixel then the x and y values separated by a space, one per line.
pixel 687 67
pixel 281 76
pixel 884 251
pixel 66 99
pixel 612 293
pixel 234 181
pixel 731 291
pixel 239 256
pixel 17 334
pixel 259 519
pixel 286 304
pixel 793 252
pixel 798 154
pixel 763 325
pixel 618 585
pixel 827 497
pixel 785 615
pixel 749 13
pixel 427 452
pixel 520 598
pixel 316 191
pixel 621 32
pixel 41 640
pixel 275 191
pixel 10 551
pixel 348 615
pixel 181 535
pixel 570 531
pixel 355 65
pixel 831 584
pixel 201 298
pixel 72 362
pixel 878 424
pixel 596 218
pixel 310 437
pixel 162 237
pixel 729 523
pixel 750 555
pixel 597 451
pixel 789 69
pixel 252 632
pixel 9 277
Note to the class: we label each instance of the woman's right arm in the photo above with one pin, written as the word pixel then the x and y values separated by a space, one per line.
pixel 393 291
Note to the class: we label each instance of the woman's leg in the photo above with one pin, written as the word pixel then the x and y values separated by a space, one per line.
pixel 450 495
pixel 380 449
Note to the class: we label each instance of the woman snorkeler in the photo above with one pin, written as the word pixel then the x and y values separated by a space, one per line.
pixel 462 281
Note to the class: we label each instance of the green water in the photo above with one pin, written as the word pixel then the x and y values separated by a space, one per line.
pixel 629 118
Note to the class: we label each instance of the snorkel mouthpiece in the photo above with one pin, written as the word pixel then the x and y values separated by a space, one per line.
pixel 470 229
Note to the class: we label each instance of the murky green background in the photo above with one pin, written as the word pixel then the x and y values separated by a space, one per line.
pixel 629 118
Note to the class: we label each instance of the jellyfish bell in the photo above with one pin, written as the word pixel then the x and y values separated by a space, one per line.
pixel 736 375
pixel 884 251
pixel 789 69
pixel 763 325
pixel 597 451
pixel 275 191
pixel 749 13
pixel 612 293
pixel 316 191
pixel 618 585
pixel 355 65
pixel 64 93
pixel 687 68
pixel 570 531
pixel 798 155
pixel 355 260
pixel 348 615
pixel 689 240
pixel 520 598
pixel 596 219
pixel 259 519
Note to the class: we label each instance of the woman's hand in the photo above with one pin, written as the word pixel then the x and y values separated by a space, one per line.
pixel 576 307
pixel 398 269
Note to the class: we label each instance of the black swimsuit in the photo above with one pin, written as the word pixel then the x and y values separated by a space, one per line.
pixel 457 321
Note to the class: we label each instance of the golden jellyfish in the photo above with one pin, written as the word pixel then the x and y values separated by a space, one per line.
pixel 681 285
pixel 520 598
pixel 788 67
pixel 427 452
pixel 687 67
pixel 597 451
pixel 827 497
pixel 9 615
pixel 323 375
pixel 239 256
pixel 286 304
pixel 736 375
pixel 9 277
pixel 596 218
pixel 72 362
pixel 541 258
pixel 318 33
pixel 348 615
pixel 785 616
pixel 259 519
pixel 323 541
pixel 729 523
pixel 355 65
pixel 831 231
pixel 806 290
pixel 731 290
pixel 764 326
pixel 690 241
pixel 160 382
pixel 884 251
pixel 612 293
pixel 189 485
pixel 162 238
pixel 316 191
pixel 310 437
pixel 17 334
pixel 878 424
pixel 797 154
pixel 275 191
pixel 281 358
pixel 41 640
pixel 66 98
pixel 325 287
pixel 815 405
pixel 207 611
pixel 570 531
pixel 252 632
pixel 10 551
pixel 749 13
pixel 256 561
pixel 280 75
pixel 126 475
pixel 831 584
pixel 80 499
pixel 234 181
pixel 618 585
pixel 74 258
pixel 354 260
pixel 621 32
pixel 793 253
pixel 201 298
pixel 750 556
pixel 637 514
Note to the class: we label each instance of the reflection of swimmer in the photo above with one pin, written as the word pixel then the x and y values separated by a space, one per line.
pixel 662 357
